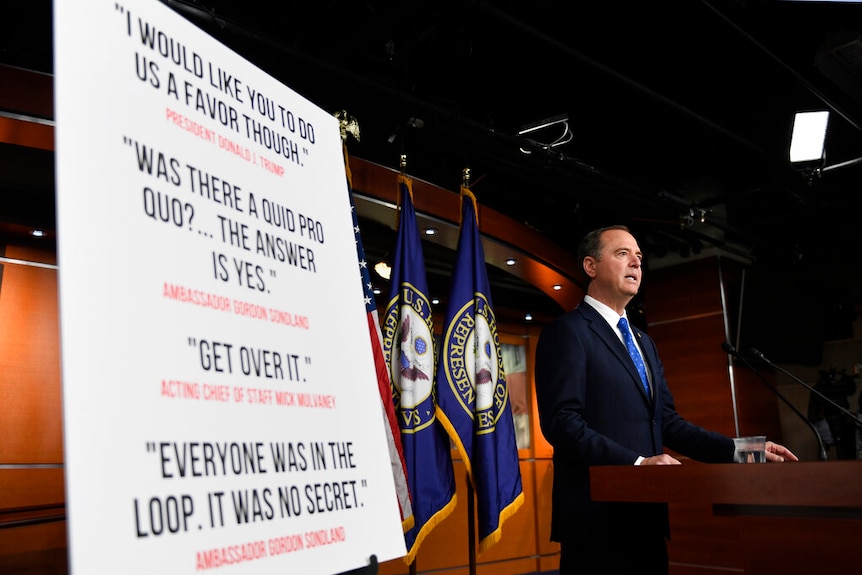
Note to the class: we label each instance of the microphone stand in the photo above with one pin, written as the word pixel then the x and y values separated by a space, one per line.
pixel 732 351
pixel 843 410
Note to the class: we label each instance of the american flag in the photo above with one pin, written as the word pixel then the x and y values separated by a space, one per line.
pixel 393 431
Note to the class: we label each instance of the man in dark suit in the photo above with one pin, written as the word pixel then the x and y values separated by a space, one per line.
pixel 596 408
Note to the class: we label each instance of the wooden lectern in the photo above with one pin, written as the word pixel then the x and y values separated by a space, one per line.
pixel 766 518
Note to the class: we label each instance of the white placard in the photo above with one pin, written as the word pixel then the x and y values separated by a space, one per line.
pixel 220 403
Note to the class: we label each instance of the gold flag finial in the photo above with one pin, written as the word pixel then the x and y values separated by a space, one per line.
pixel 465 177
pixel 402 163
pixel 348 125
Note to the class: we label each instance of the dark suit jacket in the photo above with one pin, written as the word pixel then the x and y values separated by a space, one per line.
pixel 594 411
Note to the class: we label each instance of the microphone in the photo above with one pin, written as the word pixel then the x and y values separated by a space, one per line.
pixel 843 410
pixel 729 349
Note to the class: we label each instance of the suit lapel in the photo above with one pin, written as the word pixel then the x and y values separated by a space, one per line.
pixel 601 328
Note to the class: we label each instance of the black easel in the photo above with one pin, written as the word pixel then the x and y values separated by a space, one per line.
pixel 370 569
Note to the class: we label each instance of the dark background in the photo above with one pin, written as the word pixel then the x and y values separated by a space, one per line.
pixel 679 114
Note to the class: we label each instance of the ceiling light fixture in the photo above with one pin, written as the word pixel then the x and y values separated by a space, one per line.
pixel 511 261
pixel 565 137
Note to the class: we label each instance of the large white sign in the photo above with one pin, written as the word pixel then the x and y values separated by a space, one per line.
pixel 220 402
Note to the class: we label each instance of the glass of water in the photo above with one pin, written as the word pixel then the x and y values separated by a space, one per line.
pixel 751 449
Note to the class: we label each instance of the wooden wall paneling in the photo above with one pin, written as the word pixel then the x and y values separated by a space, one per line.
pixel 682 291
pixel 686 319
pixel 696 371
pixel 541 448
pixel 32 522
pixel 31 488
pixel 519 537
pixel 691 310
pixel 26 92
pixel 39 255
pixel 34 550
pixel 26 134
pixel 446 546
pixel 511 567
pixel 757 404
pixel 30 386
pixel 544 482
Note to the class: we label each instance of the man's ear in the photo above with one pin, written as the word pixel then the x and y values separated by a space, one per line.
pixel 590 266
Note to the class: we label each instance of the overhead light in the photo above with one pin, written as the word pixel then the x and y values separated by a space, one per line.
pixel 376 291
pixel 808 139
pixel 511 261
pixel 561 122
pixel 528 317
pixel 542 124
pixel 383 269
pixel 430 231
pixel 37 233
pixel 435 301
pixel 557 287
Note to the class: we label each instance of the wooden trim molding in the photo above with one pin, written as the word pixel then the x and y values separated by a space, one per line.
pixel 541 262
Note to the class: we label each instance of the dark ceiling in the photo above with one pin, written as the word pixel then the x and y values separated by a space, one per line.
pixel 680 115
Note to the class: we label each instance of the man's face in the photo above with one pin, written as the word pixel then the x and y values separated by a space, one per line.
pixel 618 272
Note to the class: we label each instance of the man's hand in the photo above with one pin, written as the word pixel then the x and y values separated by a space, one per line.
pixel 778 453
pixel 663 459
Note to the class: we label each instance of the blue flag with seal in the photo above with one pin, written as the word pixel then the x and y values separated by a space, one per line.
pixel 473 398
pixel 408 345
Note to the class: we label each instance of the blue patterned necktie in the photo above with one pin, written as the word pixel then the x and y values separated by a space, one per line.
pixel 633 352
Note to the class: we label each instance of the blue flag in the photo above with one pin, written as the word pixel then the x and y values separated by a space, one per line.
pixel 474 404
pixel 408 344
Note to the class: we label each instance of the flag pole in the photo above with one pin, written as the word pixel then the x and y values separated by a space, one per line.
pixel 349 126
pixel 402 167
pixel 471 525
pixel 471 499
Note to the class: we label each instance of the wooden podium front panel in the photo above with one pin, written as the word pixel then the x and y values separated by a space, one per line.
pixel 803 484
pixel 761 519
